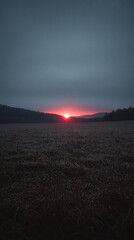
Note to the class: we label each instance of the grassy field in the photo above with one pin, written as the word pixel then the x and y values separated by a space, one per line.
pixel 67 181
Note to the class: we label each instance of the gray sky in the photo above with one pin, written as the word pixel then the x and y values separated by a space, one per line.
pixel 73 55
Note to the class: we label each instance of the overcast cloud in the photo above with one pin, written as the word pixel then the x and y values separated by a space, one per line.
pixel 56 52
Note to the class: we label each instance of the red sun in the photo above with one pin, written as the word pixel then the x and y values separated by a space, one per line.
pixel 66 115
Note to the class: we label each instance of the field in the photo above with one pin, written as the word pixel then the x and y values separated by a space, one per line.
pixel 67 181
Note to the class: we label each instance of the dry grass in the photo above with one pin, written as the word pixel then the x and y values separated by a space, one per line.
pixel 66 181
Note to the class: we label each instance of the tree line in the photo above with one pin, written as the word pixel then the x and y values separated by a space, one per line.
pixel 120 115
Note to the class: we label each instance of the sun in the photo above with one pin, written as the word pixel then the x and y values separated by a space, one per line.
pixel 66 115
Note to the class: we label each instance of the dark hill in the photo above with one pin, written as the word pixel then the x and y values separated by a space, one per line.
pixel 19 115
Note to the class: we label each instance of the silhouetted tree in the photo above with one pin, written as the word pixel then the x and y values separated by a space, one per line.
pixel 120 115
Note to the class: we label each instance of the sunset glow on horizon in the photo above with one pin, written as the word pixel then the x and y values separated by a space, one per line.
pixel 69 111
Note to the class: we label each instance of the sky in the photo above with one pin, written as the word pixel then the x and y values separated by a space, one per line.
pixel 67 56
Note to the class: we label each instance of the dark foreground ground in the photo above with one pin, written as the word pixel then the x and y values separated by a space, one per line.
pixel 67 182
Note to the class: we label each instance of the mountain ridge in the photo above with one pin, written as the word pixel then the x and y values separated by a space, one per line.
pixel 95 115
pixel 10 114
pixel 20 115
